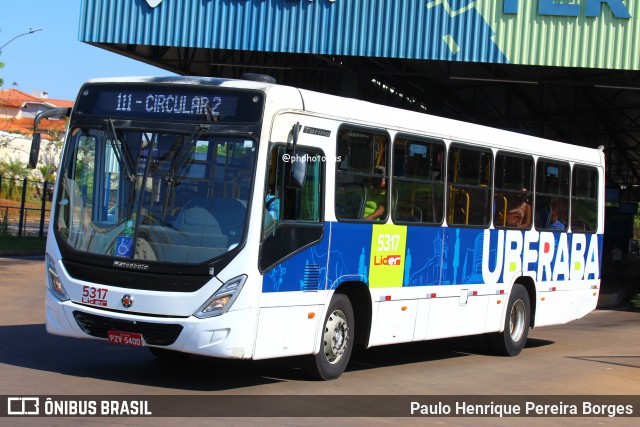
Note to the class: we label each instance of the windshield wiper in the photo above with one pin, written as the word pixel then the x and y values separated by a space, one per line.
pixel 183 152
pixel 121 155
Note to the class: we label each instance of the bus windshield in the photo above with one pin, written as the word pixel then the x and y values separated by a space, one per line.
pixel 168 197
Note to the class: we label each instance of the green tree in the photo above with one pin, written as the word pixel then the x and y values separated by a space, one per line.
pixel 636 227
pixel 13 170
pixel 49 158
pixel 48 172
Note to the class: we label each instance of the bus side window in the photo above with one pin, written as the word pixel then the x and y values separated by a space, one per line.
pixel 584 200
pixel 418 181
pixel 513 196
pixel 292 217
pixel 362 180
pixel 552 195
pixel 469 177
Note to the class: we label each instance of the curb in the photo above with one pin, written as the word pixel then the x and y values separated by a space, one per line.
pixel 10 253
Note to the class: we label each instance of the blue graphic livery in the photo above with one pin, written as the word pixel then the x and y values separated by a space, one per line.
pixel 437 256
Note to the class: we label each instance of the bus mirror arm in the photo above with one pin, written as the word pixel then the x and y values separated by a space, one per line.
pixel 34 153
pixel 296 134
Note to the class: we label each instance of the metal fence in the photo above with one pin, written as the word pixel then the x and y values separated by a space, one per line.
pixel 25 206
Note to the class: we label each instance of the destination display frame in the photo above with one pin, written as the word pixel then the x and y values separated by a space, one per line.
pixel 171 103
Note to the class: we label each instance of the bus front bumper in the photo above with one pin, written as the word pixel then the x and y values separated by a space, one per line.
pixel 230 335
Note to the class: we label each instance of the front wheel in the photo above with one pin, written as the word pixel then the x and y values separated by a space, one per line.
pixel 337 341
pixel 511 341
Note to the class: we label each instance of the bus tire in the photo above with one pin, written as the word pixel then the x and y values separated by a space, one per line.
pixel 337 341
pixel 511 341
pixel 167 355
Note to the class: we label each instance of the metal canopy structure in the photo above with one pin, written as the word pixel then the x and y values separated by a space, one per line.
pixel 452 58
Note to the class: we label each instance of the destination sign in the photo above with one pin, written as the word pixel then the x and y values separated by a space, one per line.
pixel 171 103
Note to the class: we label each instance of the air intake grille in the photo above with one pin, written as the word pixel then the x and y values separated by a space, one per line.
pixel 134 279
pixel 311 277
pixel 153 333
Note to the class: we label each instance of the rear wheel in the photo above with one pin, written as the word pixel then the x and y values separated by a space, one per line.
pixel 337 341
pixel 511 341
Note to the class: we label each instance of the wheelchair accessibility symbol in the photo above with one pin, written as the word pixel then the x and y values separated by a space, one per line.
pixel 124 245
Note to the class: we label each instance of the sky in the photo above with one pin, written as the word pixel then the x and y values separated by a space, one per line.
pixel 53 60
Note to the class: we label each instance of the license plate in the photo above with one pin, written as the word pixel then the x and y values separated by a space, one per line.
pixel 126 338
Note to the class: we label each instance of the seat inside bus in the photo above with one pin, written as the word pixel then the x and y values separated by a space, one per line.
pixel 350 201
pixel 212 223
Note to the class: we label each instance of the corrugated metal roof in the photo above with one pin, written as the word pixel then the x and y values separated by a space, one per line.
pixel 452 30
pixel 382 28
pixel 604 41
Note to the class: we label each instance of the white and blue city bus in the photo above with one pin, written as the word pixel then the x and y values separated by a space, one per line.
pixel 249 220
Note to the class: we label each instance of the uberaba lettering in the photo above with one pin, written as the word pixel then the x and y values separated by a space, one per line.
pixel 545 256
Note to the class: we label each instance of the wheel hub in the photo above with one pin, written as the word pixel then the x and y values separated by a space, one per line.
pixel 516 321
pixel 336 336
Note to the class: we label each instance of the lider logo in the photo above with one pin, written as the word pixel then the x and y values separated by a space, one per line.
pixel 387 260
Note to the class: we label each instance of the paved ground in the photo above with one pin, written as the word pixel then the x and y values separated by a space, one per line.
pixel 597 355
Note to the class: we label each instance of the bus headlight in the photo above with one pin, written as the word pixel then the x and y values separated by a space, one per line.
pixel 223 299
pixel 53 280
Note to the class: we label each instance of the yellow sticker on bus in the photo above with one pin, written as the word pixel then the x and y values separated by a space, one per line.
pixel 388 248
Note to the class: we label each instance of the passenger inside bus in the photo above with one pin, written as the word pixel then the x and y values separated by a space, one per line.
pixel 523 208
pixel 526 206
pixel 271 202
pixel 514 217
pixel 374 207
pixel 555 224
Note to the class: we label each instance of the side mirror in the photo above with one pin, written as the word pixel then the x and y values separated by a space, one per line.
pixel 35 142
pixel 297 168
pixel 298 174
pixel 35 151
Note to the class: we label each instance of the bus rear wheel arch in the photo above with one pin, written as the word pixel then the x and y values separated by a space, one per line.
pixel 517 322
